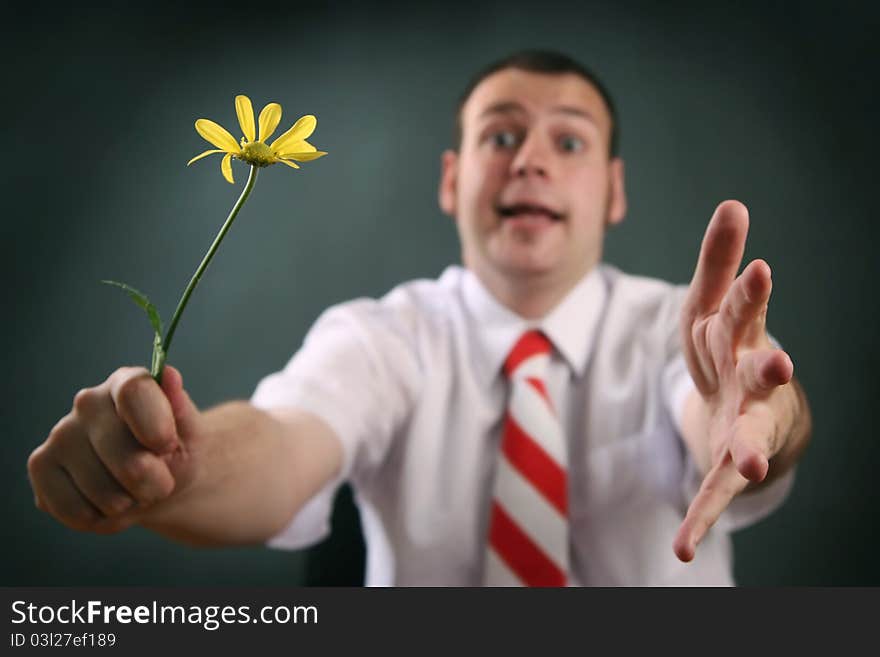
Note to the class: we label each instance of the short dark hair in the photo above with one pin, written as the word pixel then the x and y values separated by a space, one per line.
pixel 543 61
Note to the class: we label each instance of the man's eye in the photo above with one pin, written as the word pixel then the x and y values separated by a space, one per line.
pixel 504 139
pixel 571 144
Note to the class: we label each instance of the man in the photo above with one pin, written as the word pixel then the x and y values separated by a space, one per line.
pixel 532 418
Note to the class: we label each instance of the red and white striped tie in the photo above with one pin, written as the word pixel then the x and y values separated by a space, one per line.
pixel 528 521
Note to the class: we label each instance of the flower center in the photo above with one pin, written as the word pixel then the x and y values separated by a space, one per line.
pixel 257 153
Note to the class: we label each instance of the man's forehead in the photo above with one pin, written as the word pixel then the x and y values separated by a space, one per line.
pixel 512 88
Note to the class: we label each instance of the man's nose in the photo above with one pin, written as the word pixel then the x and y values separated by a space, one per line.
pixel 532 158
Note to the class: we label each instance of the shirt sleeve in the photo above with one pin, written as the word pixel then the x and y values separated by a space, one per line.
pixel 356 371
pixel 745 509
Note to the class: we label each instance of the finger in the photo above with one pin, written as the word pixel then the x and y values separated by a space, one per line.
pixel 142 405
pixel 720 256
pixel 751 445
pixel 93 480
pixel 761 371
pixel 183 409
pixel 54 492
pixel 145 476
pixel 717 490
pixel 60 498
pixel 744 308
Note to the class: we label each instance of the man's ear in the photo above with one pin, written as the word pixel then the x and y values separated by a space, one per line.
pixel 617 202
pixel 447 194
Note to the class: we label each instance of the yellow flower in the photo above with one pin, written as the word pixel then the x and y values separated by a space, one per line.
pixel 290 146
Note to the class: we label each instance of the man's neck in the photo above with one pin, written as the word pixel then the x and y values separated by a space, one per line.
pixel 531 296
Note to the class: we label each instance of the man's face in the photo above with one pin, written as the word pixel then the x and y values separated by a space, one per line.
pixel 532 186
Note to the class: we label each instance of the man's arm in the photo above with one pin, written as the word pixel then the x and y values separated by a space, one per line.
pixel 748 420
pixel 132 453
pixel 261 469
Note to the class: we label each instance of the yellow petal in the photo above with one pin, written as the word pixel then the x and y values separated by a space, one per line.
pixel 301 130
pixel 297 147
pixel 290 164
pixel 226 167
pixel 245 112
pixel 305 157
pixel 217 135
pixel 201 155
pixel 270 117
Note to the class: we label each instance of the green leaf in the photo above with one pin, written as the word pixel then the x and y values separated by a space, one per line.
pixel 141 299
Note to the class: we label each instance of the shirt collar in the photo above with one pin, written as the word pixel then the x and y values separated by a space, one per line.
pixel 571 325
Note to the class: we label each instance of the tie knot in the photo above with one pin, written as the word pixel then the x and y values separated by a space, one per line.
pixel 532 343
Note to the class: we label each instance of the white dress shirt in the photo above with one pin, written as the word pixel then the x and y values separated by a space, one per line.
pixel 412 386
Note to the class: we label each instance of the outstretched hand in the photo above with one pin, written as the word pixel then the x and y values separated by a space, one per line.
pixel 740 376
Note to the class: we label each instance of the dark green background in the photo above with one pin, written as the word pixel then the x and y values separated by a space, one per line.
pixel 770 103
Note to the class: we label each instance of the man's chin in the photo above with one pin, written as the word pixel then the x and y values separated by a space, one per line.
pixel 528 267
pixel 539 255
pixel 546 266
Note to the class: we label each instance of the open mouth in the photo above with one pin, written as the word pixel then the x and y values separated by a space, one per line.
pixel 523 210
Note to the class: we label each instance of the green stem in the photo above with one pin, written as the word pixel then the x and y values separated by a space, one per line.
pixel 159 356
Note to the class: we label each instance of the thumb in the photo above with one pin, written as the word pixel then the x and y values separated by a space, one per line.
pixel 185 412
